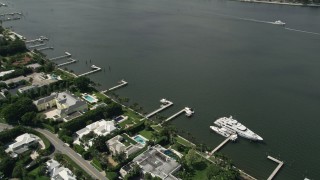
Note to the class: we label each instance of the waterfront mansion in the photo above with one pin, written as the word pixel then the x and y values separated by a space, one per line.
pixel 65 103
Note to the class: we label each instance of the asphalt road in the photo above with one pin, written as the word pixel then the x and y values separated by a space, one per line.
pixel 60 146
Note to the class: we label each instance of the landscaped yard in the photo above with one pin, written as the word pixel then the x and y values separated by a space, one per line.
pixel 126 122
pixel 184 142
pixel 157 128
pixel 146 134
pixel 128 139
pixel 35 173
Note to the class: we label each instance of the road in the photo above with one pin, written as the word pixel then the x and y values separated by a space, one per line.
pixel 60 146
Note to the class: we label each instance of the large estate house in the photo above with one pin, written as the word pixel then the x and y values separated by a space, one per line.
pixel 65 102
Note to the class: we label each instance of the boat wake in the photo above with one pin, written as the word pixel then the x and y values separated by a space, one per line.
pixel 302 31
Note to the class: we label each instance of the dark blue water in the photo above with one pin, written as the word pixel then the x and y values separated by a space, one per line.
pixel 205 54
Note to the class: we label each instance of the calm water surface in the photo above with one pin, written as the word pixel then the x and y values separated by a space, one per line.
pixel 200 53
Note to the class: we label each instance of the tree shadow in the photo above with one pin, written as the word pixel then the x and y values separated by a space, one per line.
pixel 199 166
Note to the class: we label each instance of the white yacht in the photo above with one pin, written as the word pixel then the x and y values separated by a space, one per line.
pixel 233 125
pixel 224 132
pixel 279 23
pixel 189 111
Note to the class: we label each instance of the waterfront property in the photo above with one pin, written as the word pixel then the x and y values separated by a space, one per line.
pixel 120 119
pixel 65 102
pixel 22 144
pixel 57 171
pixel 155 162
pixel 119 144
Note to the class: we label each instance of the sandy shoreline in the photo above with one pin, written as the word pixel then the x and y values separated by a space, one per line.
pixel 281 3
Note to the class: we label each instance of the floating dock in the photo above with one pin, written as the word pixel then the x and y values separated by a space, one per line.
pixel 67 55
pixel 185 110
pixel 120 84
pixel 95 69
pixel 70 61
pixel 164 105
pixel 277 168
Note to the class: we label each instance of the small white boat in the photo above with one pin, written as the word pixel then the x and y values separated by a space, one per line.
pixel 278 22
pixel 222 131
pixel 189 111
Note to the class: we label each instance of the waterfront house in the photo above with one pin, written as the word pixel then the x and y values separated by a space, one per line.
pixel 116 146
pixel 65 102
pixel 155 162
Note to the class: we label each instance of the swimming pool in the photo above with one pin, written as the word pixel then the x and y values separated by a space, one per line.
pixel 89 98
pixel 140 139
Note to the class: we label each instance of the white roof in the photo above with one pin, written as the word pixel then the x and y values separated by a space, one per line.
pixel 23 140
pixel 101 127
pixel 59 172
pixel 6 72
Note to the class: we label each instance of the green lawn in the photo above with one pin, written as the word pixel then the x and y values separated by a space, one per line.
pixel 201 171
pixel 96 164
pixel 124 123
pixel 157 128
pixel 100 96
pixel 131 114
pixel 146 134
pixel 128 139
pixel 184 142
pixel 35 174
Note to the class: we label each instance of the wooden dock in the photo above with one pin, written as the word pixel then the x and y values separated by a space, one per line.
pixel 220 146
pixel 70 61
pixel 120 84
pixel 174 116
pixel 67 55
pixel 159 110
pixel 38 45
pixel 277 168
pixel 45 48
pixel 95 69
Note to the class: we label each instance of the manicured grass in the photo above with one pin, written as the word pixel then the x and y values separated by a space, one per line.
pixel 201 171
pixel 184 142
pixel 100 96
pixel 132 114
pixel 124 123
pixel 157 128
pixel 146 134
pixel 35 173
pixel 128 139
pixel 96 164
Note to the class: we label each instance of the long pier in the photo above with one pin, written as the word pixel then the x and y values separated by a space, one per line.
pixel 40 39
pixel 120 84
pixel 95 69
pixel 277 168
pixel 189 112
pixel 70 61
pixel 163 107
pixel 67 55
pixel 45 48
pixel 220 146
pixel 38 45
